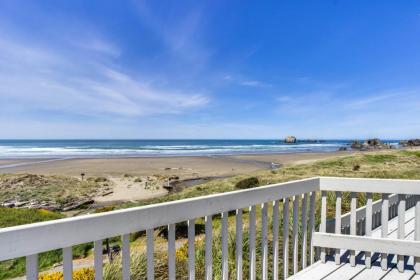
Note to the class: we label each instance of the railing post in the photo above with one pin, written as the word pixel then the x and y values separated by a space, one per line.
pixel 304 229
pixel 264 241
pixel 209 247
pixel 225 264
pixel 337 255
pixel 97 259
pixel 150 254
pixel 239 244
pixel 353 225
pixel 323 225
pixel 401 229
pixel 295 233
pixel 252 229
pixel 384 227
pixel 276 240
pixel 32 267
pixel 285 238
pixel 125 256
pixel 191 249
pixel 171 252
pixel 68 263
pixel 368 227
pixel 312 226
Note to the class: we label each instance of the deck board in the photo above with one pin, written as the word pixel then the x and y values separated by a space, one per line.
pixel 331 271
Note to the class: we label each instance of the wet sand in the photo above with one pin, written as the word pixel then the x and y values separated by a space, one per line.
pixel 185 167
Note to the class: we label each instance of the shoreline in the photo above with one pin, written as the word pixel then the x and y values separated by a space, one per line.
pixel 142 178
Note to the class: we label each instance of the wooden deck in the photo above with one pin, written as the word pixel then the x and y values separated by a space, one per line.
pixel 330 270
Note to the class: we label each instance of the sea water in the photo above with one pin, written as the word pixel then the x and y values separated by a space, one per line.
pixel 133 148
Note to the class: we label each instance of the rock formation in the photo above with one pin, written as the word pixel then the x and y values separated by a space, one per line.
pixel 410 143
pixel 290 140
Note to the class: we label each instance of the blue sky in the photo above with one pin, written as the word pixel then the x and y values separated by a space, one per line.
pixel 209 69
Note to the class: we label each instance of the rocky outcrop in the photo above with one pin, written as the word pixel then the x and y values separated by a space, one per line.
pixel 356 144
pixel 290 140
pixel 370 144
pixel 410 143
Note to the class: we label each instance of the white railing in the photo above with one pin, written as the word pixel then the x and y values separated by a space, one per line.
pixel 353 231
pixel 30 240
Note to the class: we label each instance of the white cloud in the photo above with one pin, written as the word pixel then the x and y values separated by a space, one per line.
pixel 73 81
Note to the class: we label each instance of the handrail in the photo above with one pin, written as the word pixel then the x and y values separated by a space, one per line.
pixel 45 236
pixel 371 185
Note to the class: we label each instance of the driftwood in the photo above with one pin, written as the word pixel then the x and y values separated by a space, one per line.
pixel 79 204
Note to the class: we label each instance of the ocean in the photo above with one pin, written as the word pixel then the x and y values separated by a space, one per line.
pixel 135 148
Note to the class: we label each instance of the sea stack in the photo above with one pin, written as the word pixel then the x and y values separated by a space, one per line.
pixel 290 139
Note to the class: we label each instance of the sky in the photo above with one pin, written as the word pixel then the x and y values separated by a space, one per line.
pixel 209 69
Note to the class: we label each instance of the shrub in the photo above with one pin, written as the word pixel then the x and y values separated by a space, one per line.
pixel 247 183
pixel 81 274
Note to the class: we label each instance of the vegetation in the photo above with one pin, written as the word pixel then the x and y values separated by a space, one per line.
pixel 385 164
pixel 48 189
pixel 247 183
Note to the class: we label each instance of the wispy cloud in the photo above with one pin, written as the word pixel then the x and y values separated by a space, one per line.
pixel 180 36
pixel 239 80
pixel 75 82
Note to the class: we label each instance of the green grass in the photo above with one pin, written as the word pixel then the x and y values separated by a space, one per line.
pixel 385 164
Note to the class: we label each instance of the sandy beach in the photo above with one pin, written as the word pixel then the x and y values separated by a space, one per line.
pixel 185 167
pixel 139 178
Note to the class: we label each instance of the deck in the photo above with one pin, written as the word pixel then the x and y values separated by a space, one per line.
pixel 330 270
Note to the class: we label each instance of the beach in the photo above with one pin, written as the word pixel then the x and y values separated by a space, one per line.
pixel 141 178
pixel 186 167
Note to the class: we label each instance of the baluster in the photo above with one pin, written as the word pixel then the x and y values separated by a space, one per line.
pixel 323 225
pixel 275 240
pixel 252 257
pixel 368 227
pixel 68 263
pixel 191 249
pixel 337 223
pixel 304 229
pixel 401 228
pixel 353 223
pixel 171 251
pixel 150 253
pixel 97 259
pixel 239 244
pixel 32 267
pixel 225 264
pixel 125 259
pixel 264 241
pixel 417 232
pixel 295 233
pixel 384 227
pixel 312 226
pixel 285 238
pixel 209 249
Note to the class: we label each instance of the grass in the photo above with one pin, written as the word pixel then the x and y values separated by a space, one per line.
pixel 385 164
pixel 56 190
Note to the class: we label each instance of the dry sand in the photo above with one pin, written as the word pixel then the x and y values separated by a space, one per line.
pixel 123 171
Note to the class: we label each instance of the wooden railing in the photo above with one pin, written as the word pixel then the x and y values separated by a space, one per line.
pixel 353 231
pixel 297 237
